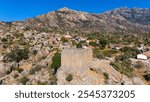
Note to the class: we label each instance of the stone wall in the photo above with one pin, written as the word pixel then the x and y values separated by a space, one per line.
pixel 80 59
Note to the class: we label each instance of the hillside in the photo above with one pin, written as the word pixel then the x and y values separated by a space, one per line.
pixel 122 20
pixel 31 50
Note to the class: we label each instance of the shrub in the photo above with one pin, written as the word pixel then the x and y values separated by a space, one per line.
pixel 98 54
pixel 93 44
pixel 64 40
pixel 147 77
pixel 19 70
pixel 41 83
pixel 79 45
pixel 8 72
pixel 69 78
pixel 56 62
pixel 34 52
pixel 109 53
pixel 122 57
pixel 24 80
pixel 53 80
pixel 103 42
pixel 123 65
pixel 74 43
pixel 18 54
pixel 35 69
pixel 4 40
pixel 16 76
pixel 5 46
pixel 130 52
pixel 27 28
pixel 106 75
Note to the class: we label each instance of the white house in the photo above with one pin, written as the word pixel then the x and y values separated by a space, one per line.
pixel 144 56
pixel 68 36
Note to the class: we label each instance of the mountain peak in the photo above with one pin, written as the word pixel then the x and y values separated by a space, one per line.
pixel 64 9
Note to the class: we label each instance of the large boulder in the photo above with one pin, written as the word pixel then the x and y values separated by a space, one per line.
pixel 137 81
pixel 41 55
pixel 6 68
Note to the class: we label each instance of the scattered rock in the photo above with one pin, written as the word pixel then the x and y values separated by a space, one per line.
pixel 137 81
pixel 42 54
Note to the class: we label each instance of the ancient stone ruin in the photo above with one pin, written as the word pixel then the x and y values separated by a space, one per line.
pixel 77 63
pixel 76 59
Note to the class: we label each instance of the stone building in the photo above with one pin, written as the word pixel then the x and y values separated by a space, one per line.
pixel 78 63
pixel 76 59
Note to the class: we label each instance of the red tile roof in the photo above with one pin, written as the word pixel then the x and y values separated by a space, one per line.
pixel 147 53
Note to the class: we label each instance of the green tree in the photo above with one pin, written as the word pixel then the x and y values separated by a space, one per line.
pixel 24 80
pixel 147 77
pixel 79 45
pixel 93 44
pixel 130 52
pixel 18 54
pixel 98 54
pixel 106 75
pixel 103 42
pixel 64 40
pixel 123 65
pixel 56 62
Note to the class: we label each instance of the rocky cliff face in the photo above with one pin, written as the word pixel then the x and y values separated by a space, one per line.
pixel 123 20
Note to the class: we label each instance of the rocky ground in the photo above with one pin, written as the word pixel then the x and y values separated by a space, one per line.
pixel 95 75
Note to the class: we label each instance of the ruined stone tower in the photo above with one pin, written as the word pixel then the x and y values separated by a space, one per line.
pixel 78 63
pixel 76 59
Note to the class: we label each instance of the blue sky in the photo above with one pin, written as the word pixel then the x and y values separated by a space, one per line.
pixel 11 10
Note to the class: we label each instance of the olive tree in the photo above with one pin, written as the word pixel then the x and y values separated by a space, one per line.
pixel 17 54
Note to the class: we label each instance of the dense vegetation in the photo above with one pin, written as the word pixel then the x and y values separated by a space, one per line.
pixel 56 62
pixel 123 65
pixel 17 54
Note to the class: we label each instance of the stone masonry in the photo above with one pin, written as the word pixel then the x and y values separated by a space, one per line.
pixel 76 59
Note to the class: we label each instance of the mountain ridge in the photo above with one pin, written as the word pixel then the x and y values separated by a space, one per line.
pixel 120 20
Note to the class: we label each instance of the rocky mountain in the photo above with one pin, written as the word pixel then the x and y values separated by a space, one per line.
pixel 122 20
pixel 30 50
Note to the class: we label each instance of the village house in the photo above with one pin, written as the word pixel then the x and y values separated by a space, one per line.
pixel 144 56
